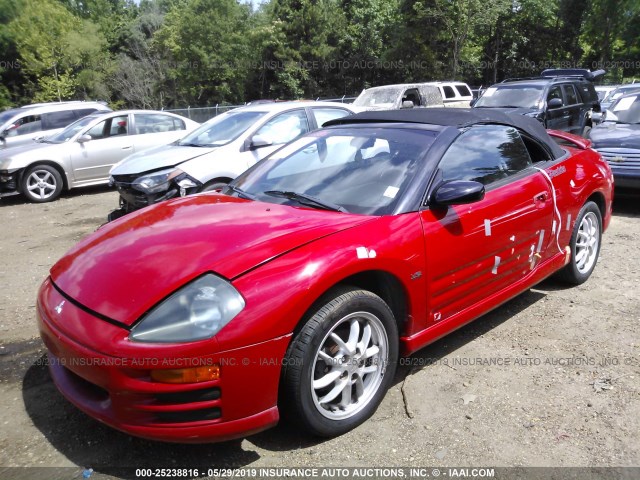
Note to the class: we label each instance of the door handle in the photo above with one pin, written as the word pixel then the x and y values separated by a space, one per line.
pixel 127 147
pixel 541 197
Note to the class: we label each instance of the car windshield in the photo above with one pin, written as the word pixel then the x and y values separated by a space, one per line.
pixel 613 95
pixel 379 97
pixel 222 129
pixel 7 115
pixel 359 170
pixel 625 110
pixel 70 132
pixel 518 96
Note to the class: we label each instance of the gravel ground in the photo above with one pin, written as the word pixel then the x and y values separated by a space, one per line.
pixel 549 379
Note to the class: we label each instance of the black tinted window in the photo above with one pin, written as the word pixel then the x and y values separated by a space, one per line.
pixel 463 90
pixel 570 94
pixel 485 154
pixel 554 92
pixel 448 92
pixel 58 119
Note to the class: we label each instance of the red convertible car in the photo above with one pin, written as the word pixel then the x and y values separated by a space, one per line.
pixel 295 291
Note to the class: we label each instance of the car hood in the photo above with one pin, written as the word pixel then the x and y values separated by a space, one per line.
pixel 158 157
pixel 615 135
pixel 129 265
pixel 28 151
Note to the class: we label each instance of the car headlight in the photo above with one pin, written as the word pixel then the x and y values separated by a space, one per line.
pixel 156 182
pixel 197 311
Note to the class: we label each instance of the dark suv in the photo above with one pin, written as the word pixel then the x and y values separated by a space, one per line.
pixel 562 99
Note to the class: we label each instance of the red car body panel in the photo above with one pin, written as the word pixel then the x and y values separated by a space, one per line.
pixel 452 265
pixel 146 243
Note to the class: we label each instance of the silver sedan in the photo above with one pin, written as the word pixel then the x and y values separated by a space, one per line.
pixel 84 152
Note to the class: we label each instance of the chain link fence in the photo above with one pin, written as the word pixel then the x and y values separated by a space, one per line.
pixel 202 114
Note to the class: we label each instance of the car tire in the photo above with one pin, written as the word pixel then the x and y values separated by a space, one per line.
pixel 586 239
pixel 340 363
pixel 214 186
pixel 41 183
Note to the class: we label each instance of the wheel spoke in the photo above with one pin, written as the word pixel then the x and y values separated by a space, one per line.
pixel 346 399
pixel 354 334
pixel 328 359
pixel 326 380
pixel 334 392
pixel 366 338
pixel 340 343
pixel 369 369
pixel 371 351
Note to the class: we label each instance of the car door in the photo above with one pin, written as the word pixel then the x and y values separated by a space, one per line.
pixel 110 142
pixel 474 251
pixel 557 118
pixel 573 107
pixel 153 129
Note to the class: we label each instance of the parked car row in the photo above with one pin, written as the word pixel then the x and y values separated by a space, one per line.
pixel 148 158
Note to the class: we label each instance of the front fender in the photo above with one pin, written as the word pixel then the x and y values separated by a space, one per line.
pixel 279 293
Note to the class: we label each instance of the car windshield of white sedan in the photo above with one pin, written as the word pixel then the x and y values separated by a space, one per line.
pixel 512 96
pixel 379 97
pixel 357 170
pixel 69 132
pixel 222 129
pixel 625 110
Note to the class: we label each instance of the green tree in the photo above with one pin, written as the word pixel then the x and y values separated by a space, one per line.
pixel 53 44
pixel 205 45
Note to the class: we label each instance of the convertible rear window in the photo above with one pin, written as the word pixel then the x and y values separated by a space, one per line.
pixel 364 170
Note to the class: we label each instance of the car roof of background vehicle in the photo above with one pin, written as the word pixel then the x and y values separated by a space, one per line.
pixel 282 106
pixel 455 117
pixel 38 108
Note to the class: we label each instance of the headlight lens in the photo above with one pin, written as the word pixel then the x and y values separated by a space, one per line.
pixel 197 311
pixel 156 182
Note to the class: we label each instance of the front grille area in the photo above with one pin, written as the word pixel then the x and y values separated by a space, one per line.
pixel 189 416
pixel 89 390
pixel 192 396
pixel 621 157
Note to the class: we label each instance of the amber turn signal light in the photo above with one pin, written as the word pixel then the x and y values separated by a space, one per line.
pixel 187 375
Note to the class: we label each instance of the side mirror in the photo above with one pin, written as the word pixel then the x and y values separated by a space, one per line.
pixel 259 141
pixel 554 103
pixel 84 138
pixel 406 104
pixel 597 117
pixel 458 192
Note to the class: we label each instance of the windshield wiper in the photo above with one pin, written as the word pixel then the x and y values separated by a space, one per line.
pixel 307 200
pixel 242 193
pixel 192 145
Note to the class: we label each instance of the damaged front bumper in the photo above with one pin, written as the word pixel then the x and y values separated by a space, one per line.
pixel 133 198
pixel 10 182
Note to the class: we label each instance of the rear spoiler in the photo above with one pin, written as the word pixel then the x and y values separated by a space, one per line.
pixel 566 139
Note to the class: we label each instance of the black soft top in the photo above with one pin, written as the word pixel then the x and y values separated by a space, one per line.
pixel 455 117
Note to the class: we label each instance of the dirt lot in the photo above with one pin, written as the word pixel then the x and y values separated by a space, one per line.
pixel 563 389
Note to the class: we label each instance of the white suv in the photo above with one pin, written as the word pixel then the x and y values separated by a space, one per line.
pixel 19 126
pixel 454 94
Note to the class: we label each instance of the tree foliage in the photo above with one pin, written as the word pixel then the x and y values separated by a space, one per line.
pixel 171 53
